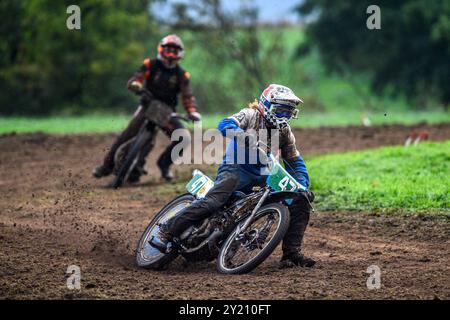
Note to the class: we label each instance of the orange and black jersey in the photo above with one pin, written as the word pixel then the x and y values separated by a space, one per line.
pixel 166 83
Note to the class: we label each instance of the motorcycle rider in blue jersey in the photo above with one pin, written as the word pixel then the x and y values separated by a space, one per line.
pixel 277 105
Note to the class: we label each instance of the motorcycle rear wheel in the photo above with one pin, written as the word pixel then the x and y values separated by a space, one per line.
pixel 146 255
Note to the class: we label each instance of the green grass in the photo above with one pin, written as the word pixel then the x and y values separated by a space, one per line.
pixel 413 179
pixel 64 125
pixel 99 123
pixel 344 118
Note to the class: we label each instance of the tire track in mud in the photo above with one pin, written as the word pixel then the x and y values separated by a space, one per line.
pixel 53 214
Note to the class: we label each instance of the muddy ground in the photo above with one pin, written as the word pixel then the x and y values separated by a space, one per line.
pixel 53 214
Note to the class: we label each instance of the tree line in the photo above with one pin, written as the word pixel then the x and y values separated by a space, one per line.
pixel 408 55
pixel 46 68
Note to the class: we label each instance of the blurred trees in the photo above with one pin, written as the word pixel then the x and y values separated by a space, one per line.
pixel 410 55
pixel 233 43
pixel 46 67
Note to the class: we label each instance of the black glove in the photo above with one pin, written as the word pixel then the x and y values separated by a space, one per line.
pixel 310 195
pixel 194 116
pixel 146 97
pixel 135 87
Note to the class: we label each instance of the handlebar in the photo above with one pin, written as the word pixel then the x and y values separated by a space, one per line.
pixel 180 116
pixel 263 153
pixel 173 114
pixel 268 158
pixel 144 91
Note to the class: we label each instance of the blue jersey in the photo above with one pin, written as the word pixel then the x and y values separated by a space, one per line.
pixel 250 166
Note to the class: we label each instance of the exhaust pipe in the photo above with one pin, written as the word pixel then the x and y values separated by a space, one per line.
pixel 212 242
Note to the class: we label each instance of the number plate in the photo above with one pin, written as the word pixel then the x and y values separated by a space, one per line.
pixel 200 184
pixel 280 180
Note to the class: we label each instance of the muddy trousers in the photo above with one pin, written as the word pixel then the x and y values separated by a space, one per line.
pixel 165 160
pixel 231 178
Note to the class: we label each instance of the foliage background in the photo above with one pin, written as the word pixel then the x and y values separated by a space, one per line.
pixel 46 68
pixel 333 61
pixel 409 55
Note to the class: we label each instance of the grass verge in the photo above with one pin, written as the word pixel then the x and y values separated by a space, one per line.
pixel 391 180
pixel 413 179
pixel 101 124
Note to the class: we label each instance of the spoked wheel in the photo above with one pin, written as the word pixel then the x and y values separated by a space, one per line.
pixel 243 252
pixel 148 256
pixel 124 166
pixel 121 154
pixel 131 160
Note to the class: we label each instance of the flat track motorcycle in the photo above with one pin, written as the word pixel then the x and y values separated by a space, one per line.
pixel 240 236
pixel 130 152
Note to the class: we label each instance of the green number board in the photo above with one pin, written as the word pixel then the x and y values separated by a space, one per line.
pixel 280 180
pixel 200 184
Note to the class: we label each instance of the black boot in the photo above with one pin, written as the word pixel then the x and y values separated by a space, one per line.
pixel 136 174
pixel 166 173
pixel 296 259
pixel 162 239
pixel 130 132
pixel 102 171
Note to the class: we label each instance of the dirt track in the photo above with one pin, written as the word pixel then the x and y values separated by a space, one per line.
pixel 53 214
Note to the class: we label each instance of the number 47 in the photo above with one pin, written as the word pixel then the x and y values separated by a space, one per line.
pixel 284 183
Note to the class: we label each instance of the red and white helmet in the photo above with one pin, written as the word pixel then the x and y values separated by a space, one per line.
pixel 278 105
pixel 170 50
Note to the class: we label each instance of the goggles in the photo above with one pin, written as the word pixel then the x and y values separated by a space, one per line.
pixel 284 111
pixel 171 51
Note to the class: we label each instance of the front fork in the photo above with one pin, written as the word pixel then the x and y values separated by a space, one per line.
pixel 247 221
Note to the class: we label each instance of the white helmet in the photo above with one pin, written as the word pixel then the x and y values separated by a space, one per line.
pixel 278 104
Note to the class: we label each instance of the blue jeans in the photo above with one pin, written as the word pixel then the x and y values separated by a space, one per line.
pixel 231 178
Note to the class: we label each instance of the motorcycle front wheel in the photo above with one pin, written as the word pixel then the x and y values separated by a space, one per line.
pixel 244 251
pixel 131 159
